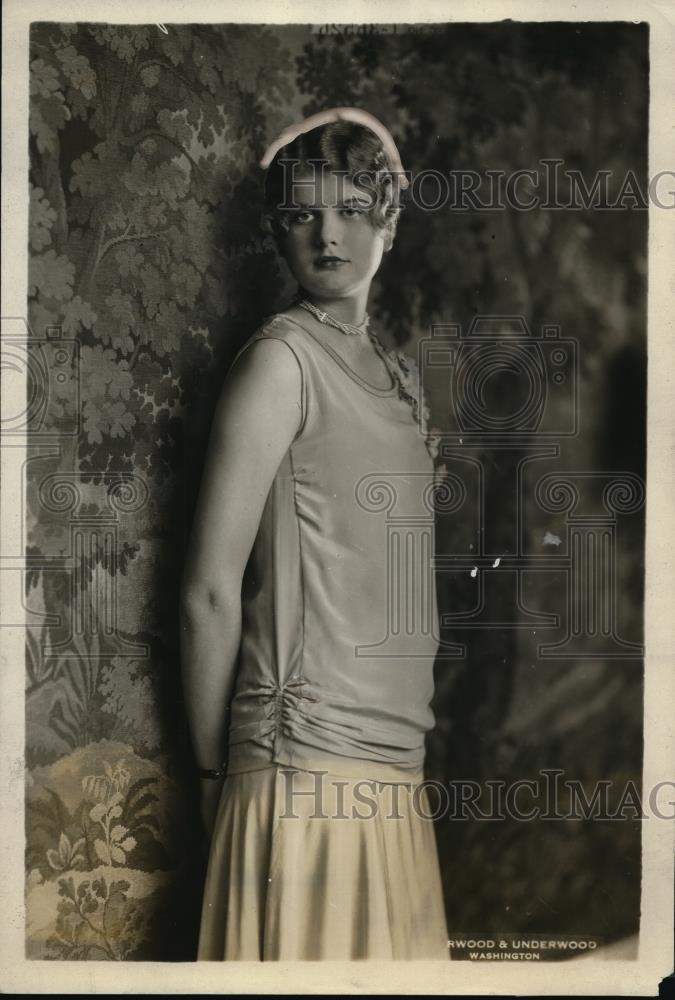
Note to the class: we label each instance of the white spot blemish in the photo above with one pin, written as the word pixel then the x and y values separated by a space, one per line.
pixel 496 562
pixel 551 539
pixel 474 571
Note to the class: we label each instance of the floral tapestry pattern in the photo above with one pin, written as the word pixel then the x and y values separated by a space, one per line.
pixel 147 271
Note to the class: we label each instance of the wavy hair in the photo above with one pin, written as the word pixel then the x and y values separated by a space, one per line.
pixel 344 146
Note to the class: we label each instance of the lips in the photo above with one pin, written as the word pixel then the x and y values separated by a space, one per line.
pixel 327 261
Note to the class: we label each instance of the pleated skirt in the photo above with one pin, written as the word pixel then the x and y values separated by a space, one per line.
pixel 309 865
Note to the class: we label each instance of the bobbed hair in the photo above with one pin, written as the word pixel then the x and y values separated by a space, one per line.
pixel 344 146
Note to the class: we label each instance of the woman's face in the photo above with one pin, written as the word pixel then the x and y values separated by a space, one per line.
pixel 332 248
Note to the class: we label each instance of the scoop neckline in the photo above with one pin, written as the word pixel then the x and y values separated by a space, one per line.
pixel 368 386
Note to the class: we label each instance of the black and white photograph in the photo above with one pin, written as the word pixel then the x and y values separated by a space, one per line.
pixel 337 470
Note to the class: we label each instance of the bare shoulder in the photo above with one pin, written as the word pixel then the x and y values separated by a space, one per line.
pixel 286 325
pixel 279 327
pixel 266 354
pixel 263 389
pixel 291 318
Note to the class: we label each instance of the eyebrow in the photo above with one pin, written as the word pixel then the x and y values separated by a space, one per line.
pixel 352 200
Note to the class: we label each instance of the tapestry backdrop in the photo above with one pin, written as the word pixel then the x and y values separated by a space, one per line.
pixel 148 271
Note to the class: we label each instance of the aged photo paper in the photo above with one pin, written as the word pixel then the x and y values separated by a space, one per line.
pixel 476 571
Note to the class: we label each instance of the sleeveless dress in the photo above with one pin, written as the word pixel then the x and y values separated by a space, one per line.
pixel 323 846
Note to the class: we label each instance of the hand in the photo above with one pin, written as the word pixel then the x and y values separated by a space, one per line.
pixel 210 792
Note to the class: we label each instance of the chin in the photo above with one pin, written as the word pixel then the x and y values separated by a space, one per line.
pixel 331 287
pixel 336 279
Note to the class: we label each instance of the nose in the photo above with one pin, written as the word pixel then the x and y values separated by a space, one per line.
pixel 326 233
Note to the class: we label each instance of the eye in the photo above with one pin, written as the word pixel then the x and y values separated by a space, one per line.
pixel 351 212
pixel 302 217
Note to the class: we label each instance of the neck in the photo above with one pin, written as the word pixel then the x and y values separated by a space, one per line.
pixel 348 310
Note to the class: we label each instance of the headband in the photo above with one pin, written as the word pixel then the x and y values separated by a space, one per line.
pixel 337 115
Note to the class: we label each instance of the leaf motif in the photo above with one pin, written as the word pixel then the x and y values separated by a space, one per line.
pixel 150 76
pixel 138 786
pixel 104 374
pixel 148 822
pixel 77 314
pixel 139 805
pixel 51 275
pixel 173 124
pixel 129 260
pixel 102 851
pixel 124 41
pixel 96 175
pixel 96 787
pixel 99 887
pixel 86 177
pixel 78 71
pixel 114 913
pixel 172 181
pixel 187 283
pixel 120 419
pixel 54 860
pixel 44 79
pixel 46 120
pixel 67 888
pixel 98 812
pixel 111 418
pixel 41 218
pixel 122 776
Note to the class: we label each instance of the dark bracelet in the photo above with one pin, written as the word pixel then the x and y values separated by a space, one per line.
pixel 211 772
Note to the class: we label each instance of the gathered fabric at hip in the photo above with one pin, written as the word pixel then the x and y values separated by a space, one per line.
pixel 310 865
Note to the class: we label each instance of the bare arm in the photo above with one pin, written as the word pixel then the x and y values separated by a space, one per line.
pixel 257 417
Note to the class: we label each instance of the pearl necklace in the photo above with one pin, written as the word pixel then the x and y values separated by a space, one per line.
pixel 390 360
pixel 323 317
pixel 353 330
pixel 402 370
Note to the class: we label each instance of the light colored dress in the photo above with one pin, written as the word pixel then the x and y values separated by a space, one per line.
pixel 335 674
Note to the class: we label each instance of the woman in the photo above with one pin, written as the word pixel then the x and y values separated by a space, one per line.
pixel 299 671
